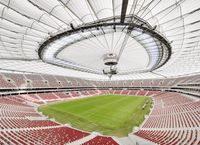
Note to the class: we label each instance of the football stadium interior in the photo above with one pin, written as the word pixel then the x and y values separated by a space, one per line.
pixel 99 72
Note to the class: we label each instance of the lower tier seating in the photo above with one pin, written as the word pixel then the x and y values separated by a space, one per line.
pixel 168 122
pixel 174 119
pixel 10 123
pixel 174 137
pixel 101 140
pixel 49 136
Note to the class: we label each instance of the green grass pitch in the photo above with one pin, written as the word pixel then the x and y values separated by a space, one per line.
pixel 114 115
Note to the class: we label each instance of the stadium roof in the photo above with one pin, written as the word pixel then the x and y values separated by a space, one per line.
pixel 147 38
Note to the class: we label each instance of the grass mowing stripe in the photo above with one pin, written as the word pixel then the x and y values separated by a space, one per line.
pixel 108 114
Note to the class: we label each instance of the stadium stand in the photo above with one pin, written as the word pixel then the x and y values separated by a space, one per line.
pixel 174 119
pixel 44 81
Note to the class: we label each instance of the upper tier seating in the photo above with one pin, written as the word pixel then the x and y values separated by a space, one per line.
pixel 51 81
pixel 19 79
pixel 36 81
pixel 63 81
pixel 4 84
pixel 8 80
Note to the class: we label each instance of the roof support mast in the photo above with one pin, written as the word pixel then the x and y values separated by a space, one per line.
pixel 123 11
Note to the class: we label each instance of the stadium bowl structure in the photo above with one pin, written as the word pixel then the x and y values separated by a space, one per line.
pixel 59 50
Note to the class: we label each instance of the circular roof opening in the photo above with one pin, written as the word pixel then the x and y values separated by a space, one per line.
pixel 130 47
